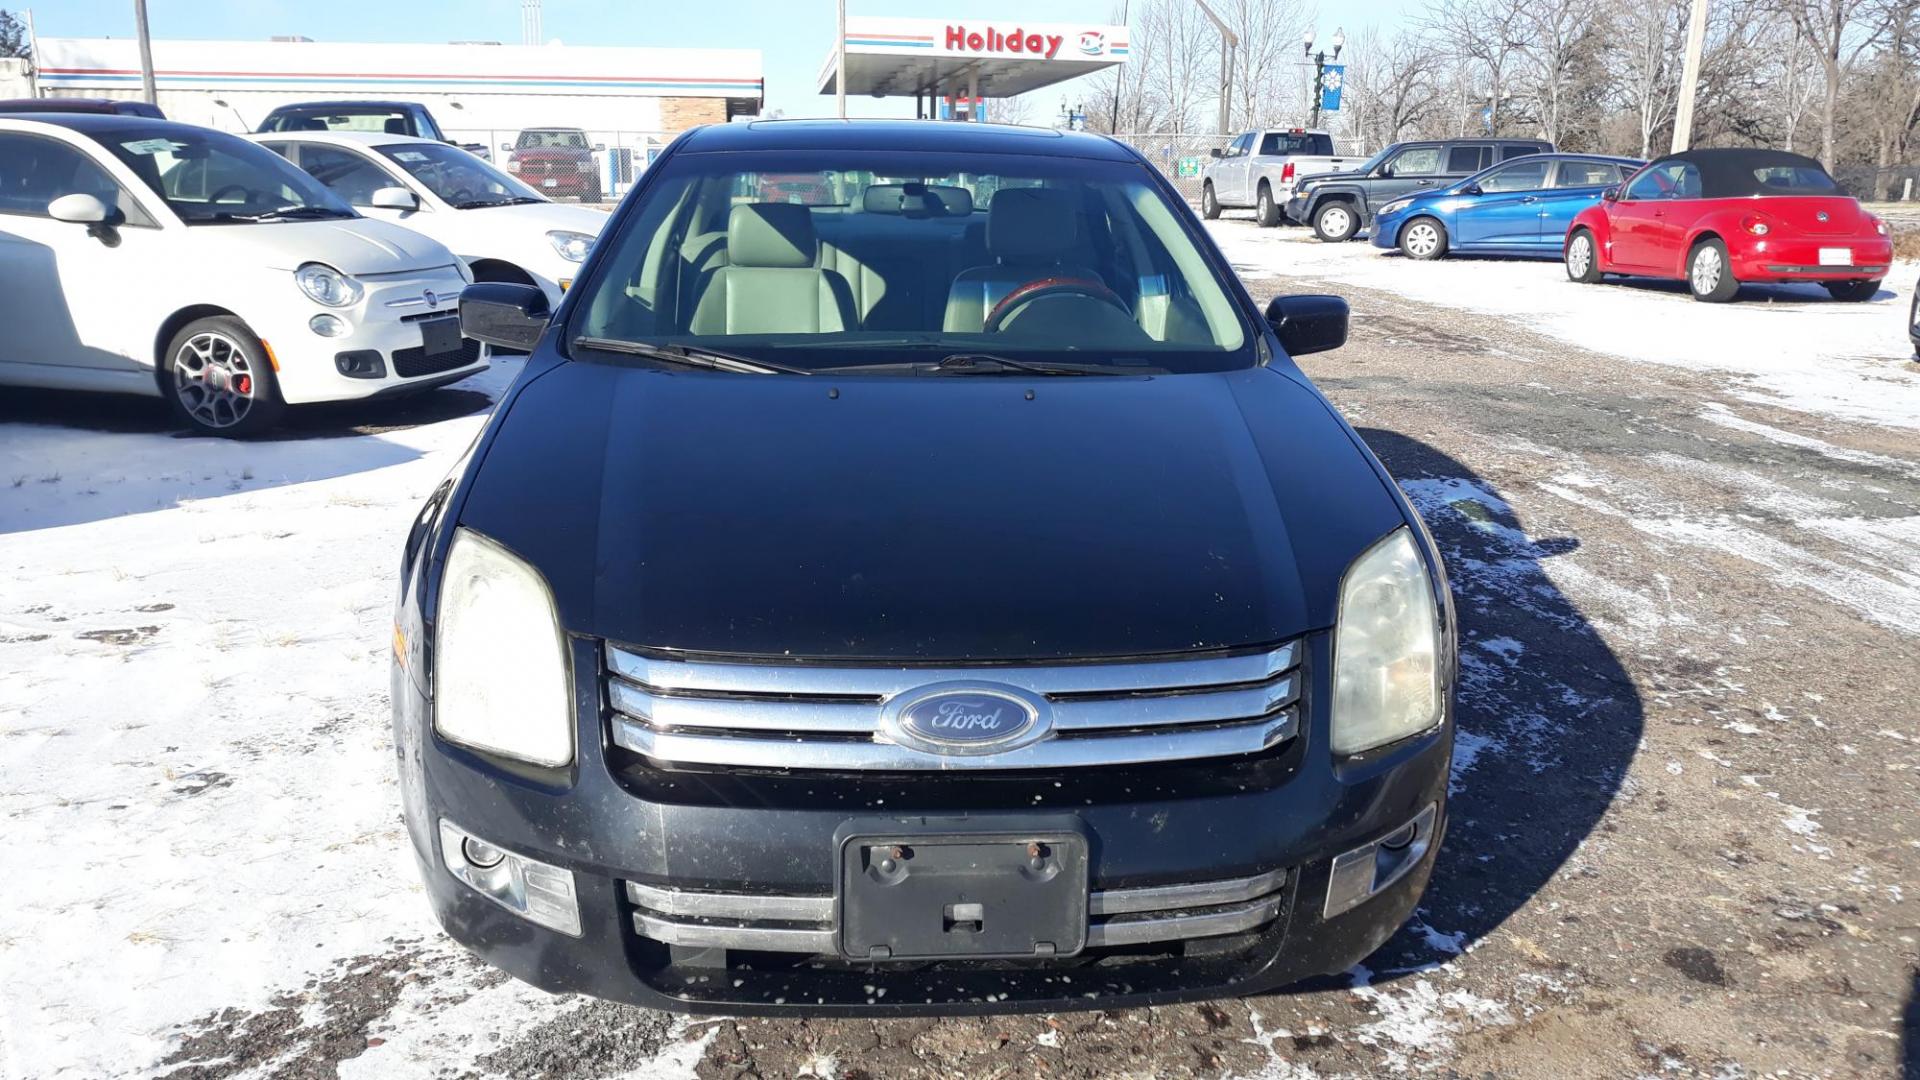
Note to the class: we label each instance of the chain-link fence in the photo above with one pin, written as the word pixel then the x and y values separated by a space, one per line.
pixel 1895 183
pixel 567 163
pixel 1181 155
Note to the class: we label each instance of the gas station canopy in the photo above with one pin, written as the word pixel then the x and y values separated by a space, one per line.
pixel 969 58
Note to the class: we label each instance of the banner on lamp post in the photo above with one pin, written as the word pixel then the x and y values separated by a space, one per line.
pixel 1331 79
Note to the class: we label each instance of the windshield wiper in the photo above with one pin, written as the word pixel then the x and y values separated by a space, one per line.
pixel 287 213
pixel 705 359
pixel 974 362
pixel 481 204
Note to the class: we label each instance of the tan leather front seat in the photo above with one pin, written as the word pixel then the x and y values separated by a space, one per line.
pixel 1031 233
pixel 771 284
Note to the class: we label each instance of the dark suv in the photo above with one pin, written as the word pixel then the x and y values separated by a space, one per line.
pixel 1340 204
pixel 944 596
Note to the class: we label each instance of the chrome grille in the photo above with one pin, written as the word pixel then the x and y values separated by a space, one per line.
pixel 829 717
pixel 806 924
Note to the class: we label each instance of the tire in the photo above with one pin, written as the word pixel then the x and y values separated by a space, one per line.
pixel 1335 222
pixel 1266 211
pixel 1582 258
pixel 1709 275
pixel 1209 206
pixel 1852 292
pixel 217 378
pixel 1424 238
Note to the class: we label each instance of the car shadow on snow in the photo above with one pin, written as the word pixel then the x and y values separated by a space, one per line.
pixel 73 458
pixel 1781 295
pixel 1910 1032
pixel 1548 719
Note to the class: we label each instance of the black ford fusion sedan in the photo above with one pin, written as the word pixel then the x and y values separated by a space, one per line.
pixel 938 593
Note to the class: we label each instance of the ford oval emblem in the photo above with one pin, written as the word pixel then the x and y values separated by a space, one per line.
pixel 966 718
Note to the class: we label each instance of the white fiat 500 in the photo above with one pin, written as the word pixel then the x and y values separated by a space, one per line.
pixel 149 257
pixel 505 230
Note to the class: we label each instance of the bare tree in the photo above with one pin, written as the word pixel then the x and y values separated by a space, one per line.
pixel 1393 87
pixel 1650 35
pixel 1560 42
pixel 13 36
pixel 1840 32
pixel 1269 32
pixel 1489 37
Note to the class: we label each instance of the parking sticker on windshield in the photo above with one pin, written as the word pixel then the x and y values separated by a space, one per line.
pixel 148 146
pixel 409 155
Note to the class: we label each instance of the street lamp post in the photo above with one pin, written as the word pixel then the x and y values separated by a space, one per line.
pixel 1338 41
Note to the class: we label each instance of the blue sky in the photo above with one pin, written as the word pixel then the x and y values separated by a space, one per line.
pixel 792 35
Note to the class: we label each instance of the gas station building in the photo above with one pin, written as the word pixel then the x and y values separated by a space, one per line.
pixel 953 67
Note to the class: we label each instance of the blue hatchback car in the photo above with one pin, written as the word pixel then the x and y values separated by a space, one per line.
pixel 1518 207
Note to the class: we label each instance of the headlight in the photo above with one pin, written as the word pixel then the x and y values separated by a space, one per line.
pixel 465 271
pixel 325 285
pixel 1386 649
pixel 500 679
pixel 572 246
pixel 1396 206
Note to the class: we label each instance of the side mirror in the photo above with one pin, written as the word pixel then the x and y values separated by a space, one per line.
pixel 1472 189
pixel 599 148
pixel 1612 194
pixel 1305 324
pixel 394 198
pixel 79 209
pixel 1216 152
pixel 504 315
pixel 506 146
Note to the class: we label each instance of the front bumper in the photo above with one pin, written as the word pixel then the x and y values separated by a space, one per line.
pixel 614 825
pixel 1386 230
pixel 1798 259
pixel 1296 208
pixel 384 324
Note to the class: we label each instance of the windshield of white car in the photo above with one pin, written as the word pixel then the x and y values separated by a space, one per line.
pixel 889 262
pixel 462 180
pixel 212 178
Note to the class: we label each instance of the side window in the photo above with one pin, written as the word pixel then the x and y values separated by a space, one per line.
pixel 1242 145
pixel 1466 159
pixel 425 128
pixel 1521 176
pixel 1673 180
pixel 1270 144
pixel 1574 174
pixel 34 171
pixel 1417 161
pixel 351 176
pixel 1508 153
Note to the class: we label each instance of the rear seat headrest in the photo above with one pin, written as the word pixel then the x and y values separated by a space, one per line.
pixel 1030 223
pixel 771 235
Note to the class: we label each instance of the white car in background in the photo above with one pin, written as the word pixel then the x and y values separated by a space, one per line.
pixel 149 257
pixel 505 230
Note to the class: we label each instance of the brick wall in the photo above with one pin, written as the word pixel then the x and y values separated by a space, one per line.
pixel 677 114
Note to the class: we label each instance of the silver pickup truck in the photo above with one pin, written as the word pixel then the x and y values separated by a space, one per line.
pixel 1258 169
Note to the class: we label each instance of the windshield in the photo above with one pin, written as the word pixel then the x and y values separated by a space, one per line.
pixel 457 176
pixel 898 261
pixel 551 140
pixel 209 177
pixel 371 119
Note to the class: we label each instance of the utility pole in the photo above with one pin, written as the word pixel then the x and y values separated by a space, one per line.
pixel 1690 77
pixel 146 52
pixel 1229 41
pixel 1119 76
pixel 840 60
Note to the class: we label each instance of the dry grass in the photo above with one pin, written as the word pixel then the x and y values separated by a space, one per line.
pixel 1906 242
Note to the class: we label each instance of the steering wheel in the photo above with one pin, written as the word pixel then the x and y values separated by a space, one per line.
pixel 245 192
pixel 459 196
pixel 1040 288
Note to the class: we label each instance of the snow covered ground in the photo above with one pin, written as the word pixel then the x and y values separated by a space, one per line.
pixel 1782 345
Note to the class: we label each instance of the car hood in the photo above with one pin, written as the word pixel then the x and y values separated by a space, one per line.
pixel 1336 175
pixel 359 246
pixel 925 518
pixel 542 216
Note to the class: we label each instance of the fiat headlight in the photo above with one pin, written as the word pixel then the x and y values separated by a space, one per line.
pixel 500 661
pixel 325 285
pixel 571 246
pixel 1386 649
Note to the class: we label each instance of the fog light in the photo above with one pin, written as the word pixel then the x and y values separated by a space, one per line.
pixel 1366 870
pixel 360 364
pixel 328 325
pixel 531 889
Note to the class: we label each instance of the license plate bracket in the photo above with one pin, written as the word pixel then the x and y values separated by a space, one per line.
pixel 912 895
pixel 1836 256
pixel 438 337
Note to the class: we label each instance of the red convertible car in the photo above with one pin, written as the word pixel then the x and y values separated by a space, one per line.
pixel 1719 219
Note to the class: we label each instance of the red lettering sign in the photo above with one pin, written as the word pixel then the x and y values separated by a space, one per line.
pixel 1015 40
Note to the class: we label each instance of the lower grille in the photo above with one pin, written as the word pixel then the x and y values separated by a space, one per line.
pixel 413 363
pixel 806 924
pixel 844 718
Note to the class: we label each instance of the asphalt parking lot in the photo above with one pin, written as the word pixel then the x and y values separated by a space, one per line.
pixel 1686 551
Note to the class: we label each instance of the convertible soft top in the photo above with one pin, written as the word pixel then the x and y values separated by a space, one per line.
pixel 1736 173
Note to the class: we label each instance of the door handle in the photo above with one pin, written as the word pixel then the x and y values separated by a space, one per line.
pixel 1529 199
pixel 1423 183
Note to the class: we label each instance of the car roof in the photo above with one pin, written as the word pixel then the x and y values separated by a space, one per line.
pixel 358 103
pixel 360 138
pixel 90 123
pixel 924 135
